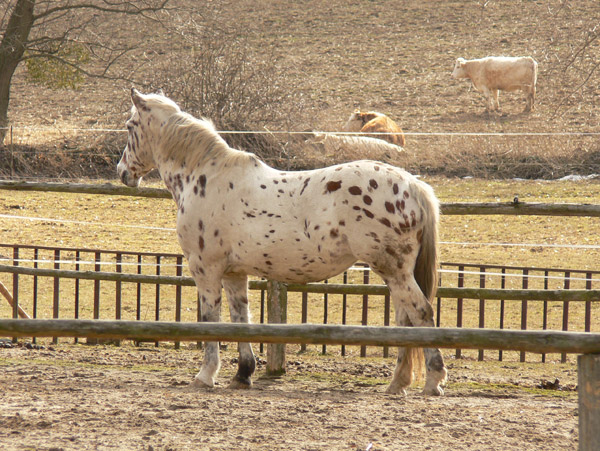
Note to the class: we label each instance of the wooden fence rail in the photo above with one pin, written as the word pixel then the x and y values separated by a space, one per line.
pixel 321 288
pixel 531 341
pixel 481 208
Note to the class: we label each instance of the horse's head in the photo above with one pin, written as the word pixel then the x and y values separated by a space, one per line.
pixel 148 115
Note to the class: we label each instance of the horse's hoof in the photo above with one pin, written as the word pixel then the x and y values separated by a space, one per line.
pixel 198 383
pixel 395 391
pixel 239 384
pixel 435 391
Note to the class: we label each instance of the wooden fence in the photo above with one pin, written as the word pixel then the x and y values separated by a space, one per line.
pixel 483 293
pixel 586 344
pixel 452 298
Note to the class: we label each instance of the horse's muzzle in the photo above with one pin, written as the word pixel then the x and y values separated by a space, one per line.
pixel 128 179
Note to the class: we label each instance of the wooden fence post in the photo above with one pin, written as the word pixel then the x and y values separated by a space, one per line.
pixel 588 374
pixel 276 313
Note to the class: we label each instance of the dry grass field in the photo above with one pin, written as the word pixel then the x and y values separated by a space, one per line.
pixel 331 58
pixel 389 56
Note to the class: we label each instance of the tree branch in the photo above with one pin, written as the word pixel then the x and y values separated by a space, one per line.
pixel 128 8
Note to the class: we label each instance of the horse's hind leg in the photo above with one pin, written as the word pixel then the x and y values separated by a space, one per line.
pixel 236 288
pixel 409 296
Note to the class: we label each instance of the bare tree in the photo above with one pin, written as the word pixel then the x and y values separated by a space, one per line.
pixel 63 31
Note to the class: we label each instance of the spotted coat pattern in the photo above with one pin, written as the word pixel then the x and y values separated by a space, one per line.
pixel 237 216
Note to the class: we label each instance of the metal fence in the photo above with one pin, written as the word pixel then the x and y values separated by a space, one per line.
pixel 60 282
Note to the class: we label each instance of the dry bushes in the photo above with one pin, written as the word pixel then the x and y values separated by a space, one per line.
pixel 493 156
pixel 223 78
pixel 511 156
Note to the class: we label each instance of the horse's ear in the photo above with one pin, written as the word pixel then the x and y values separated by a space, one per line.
pixel 160 92
pixel 136 98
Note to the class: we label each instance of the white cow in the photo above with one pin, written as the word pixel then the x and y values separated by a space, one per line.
pixel 494 73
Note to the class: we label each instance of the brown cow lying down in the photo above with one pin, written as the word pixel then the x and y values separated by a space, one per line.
pixel 373 122
pixel 494 73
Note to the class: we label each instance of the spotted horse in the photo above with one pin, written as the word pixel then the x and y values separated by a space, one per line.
pixel 237 217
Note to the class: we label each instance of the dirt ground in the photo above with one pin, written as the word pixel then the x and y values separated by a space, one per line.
pixel 67 397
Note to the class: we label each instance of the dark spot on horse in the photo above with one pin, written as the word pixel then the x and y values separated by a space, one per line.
pixel 267 262
pixel 263 186
pixel 390 250
pixel 396 188
pixel 420 236
pixel 390 207
pixel 373 183
pixel 342 223
pixel 333 186
pixel 407 249
pixel 375 237
pixel 195 189
pixel 280 191
pixel 368 214
pixel 202 183
pixel 334 233
pixel 201 243
pixel 367 200
pixel 200 225
pixel 230 185
pixel 406 195
pixel 216 232
pixel 356 207
pixel 317 227
pixel 250 215
pixel 305 184
pixel 276 182
pixel 283 180
pixel 358 218
pixel 355 190
pixel 385 221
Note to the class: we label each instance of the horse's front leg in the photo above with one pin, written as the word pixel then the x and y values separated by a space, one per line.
pixel 209 292
pixel 236 288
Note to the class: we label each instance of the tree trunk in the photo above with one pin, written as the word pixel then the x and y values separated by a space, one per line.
pixel 12 49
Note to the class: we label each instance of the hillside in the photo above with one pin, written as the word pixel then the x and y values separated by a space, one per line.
pixel 389 56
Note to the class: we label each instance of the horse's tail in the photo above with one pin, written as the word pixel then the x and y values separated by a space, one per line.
pixel 426 267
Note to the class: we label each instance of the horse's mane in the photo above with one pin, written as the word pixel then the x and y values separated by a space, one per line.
pixel 190 142
pixel 335 143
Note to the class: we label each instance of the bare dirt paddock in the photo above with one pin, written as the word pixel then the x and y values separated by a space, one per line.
pixel 74 397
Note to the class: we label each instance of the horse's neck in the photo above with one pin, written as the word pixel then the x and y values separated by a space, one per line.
pixel 175 178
